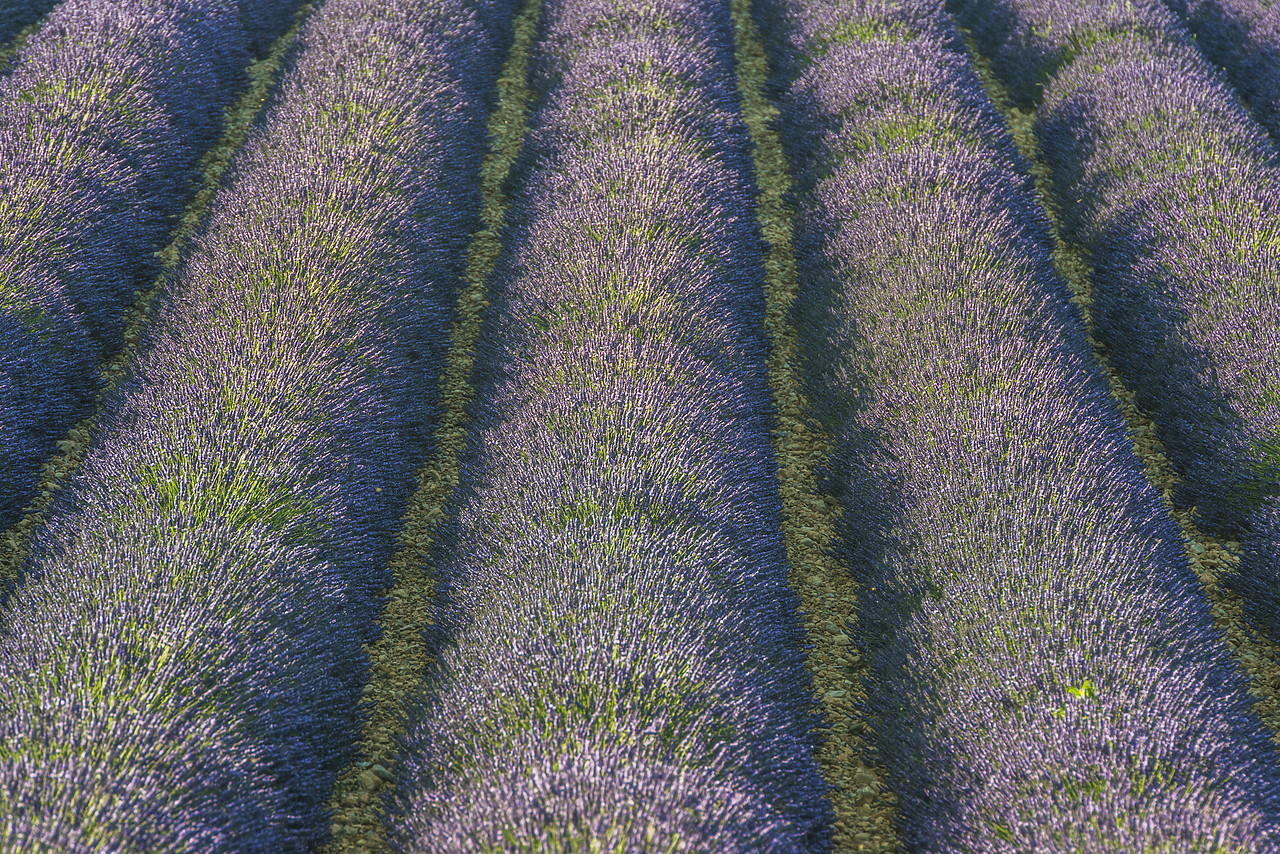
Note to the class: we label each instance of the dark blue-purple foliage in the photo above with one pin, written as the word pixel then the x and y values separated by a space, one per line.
pixel 181 668
pixel 267 20
pixel 1242 36
pixel 102 121
pixel 17 14
pixel 1045 673
pixel 620 659
pixel 1175 191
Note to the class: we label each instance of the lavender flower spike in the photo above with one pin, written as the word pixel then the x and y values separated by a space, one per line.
pixel 103 118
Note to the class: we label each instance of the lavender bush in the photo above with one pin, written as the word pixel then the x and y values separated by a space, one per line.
pixel 181 669
pixel 1174 190
pixel 102 122
pixel 620 666
pixel 1045 673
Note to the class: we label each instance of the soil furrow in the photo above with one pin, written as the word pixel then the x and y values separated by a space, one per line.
pixel 865 809
pixel 400 657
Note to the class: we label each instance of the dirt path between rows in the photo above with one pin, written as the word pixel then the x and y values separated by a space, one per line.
pixel 865 808
pixel 400 657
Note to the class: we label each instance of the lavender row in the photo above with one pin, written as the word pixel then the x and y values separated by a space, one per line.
pixel 181 670
pixel 1045 672
pixel 102 122
pixel 1175 192
pixel 1243 36
pixel 620 661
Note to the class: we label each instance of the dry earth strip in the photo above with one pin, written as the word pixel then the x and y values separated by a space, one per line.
pixel 400 657
pixel 865 808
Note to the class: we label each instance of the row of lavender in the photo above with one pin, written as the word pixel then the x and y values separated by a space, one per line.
pixel 1175 191
pixel 1046 675
pixel 620 661
pixel 181 667
pixel 103 119
pixel 1242 36
pixel 620 658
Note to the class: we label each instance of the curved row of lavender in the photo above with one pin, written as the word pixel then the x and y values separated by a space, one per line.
pixel 1175 192
pixel 103 120
pixel 620 654
pixel 1243 36
pixel 181 670
pixel 1045 672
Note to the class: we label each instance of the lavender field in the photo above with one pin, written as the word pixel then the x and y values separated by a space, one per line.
pixel 640 426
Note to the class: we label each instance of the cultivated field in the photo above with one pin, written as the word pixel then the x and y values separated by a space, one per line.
pixel 639 426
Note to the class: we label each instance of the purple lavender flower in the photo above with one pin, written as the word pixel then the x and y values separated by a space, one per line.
pixel 103 118
pixel 1174 189
pixel 615 631
pixel 1242 36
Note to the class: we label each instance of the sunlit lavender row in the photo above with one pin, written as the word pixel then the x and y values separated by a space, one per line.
pixel 618 659
pixel 1175 191
pixel 1038 640
pixel 181 667
pixel 103 118
pixel 620 664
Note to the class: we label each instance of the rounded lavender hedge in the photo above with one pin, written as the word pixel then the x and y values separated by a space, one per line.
pixel 181 668
pixel 103 119
pixel 1046 675
pixel 1242 36
pixel 1174 190
pixel 620 659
